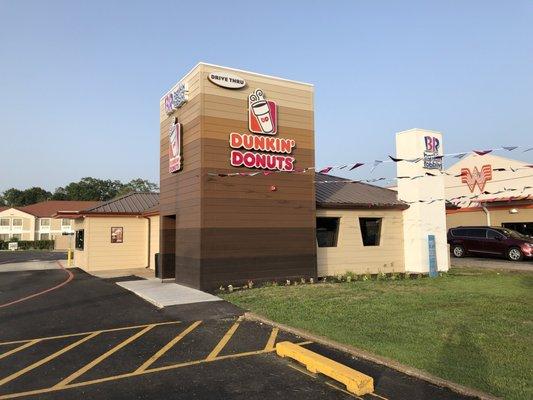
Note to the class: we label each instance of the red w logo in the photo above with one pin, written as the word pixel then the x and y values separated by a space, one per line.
pixel 476 177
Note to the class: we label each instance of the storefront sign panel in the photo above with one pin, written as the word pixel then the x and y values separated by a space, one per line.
pixel 226 80
pixel 432 159
pixel 174 147
pixel 176 98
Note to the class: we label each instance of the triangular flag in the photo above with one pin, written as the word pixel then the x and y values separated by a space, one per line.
pixel 509 148
pixel 325 170
pixel 482 152
pixel 526 150
pixel 460 155
pixel 376 163
pixel 395 159
pixel 356 165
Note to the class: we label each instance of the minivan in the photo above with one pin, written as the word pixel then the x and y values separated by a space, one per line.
pixel 489 240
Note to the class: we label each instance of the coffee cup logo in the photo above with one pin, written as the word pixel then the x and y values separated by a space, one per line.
pixel 174 146
pixel 262 114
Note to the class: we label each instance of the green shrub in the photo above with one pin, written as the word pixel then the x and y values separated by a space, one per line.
pixel 29 244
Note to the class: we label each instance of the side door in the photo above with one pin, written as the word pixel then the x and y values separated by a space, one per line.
pixel 477 238
pixel 495 243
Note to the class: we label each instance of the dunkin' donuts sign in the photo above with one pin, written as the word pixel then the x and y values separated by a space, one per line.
pixel 264 152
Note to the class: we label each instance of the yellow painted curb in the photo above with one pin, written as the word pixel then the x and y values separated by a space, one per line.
pixel 355 381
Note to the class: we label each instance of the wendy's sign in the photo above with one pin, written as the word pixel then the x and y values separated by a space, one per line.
pixel 255 151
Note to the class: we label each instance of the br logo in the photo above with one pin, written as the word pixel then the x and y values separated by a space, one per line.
pixel 476 177
pixel 262 114
pixel 432 144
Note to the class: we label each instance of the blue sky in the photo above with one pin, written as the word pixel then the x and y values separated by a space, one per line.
pixel 80 81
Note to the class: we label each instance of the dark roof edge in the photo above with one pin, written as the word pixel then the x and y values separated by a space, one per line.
pixel 361 206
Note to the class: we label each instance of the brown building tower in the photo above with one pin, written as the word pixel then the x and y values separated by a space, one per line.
pixel 258 225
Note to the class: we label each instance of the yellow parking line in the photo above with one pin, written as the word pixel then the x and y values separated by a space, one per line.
pixel 167 347
pixel 378 396
pixel 343 391
pixel 17 349
pixel 272 339
pixel 46 359
pixel 131 374
pixel 88 333
pixel 225 339
pixel 303 371
pixel 101 358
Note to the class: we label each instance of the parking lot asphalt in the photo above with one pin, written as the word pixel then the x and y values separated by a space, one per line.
pixel 93 339
pixel 491 263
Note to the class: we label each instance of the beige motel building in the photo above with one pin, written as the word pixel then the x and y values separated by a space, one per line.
pixel 37 222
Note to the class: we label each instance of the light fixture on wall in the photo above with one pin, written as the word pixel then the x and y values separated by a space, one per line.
pixel 513 211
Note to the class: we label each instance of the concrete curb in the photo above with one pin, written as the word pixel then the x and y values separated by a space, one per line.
pixel 362 354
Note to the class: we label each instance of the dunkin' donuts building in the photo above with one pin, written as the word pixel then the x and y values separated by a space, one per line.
pixel 272 221
pixel 240 200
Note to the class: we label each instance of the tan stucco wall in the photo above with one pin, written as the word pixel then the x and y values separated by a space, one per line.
pixel 501 180
pixel 100 254
pixel 351 255
pixel 154 239
pixel 497 217
pixel 80 256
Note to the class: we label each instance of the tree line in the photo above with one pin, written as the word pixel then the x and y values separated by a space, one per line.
pixel 92 189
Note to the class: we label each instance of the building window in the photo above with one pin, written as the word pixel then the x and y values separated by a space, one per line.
pixel 45 222
pixel 117 234
pixel 525 228
pixel 4 222
pixel 17 221
pixel 80 238
pixel 65 222
pixel 327 230
pixel 370 231
pixel 4 237
pixel 16 236
pixel 44 236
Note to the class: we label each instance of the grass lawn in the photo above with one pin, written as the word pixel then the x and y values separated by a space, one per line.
pixel 472 327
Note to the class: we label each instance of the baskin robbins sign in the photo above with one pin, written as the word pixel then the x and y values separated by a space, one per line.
pixel 432 159
pixel 263 151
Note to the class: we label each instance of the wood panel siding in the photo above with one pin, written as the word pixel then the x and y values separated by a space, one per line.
pixel 231 230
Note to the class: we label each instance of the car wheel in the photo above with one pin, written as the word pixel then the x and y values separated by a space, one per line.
pixel 458 251
pixel 514 254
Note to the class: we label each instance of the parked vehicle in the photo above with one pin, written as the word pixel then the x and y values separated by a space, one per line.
pixel 489 240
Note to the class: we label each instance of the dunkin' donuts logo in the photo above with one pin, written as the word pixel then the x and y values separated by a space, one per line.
pixel 262 114
pixel 257 151
pixel 476 177
pixel 174 146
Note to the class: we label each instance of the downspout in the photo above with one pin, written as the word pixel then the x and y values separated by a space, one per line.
pixel 487 213
pixel 148 240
